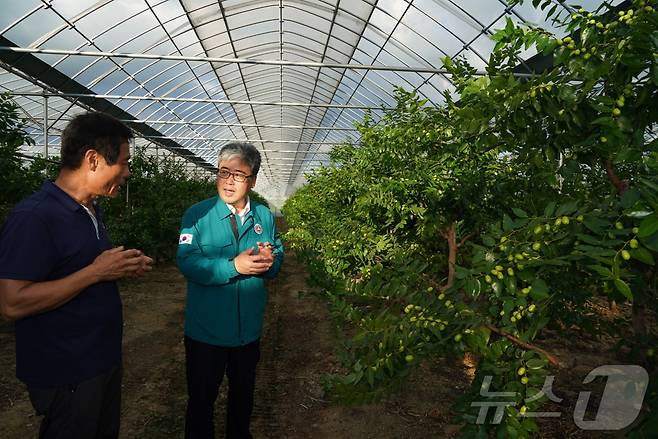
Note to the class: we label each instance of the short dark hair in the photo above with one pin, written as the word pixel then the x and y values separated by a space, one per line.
pixel 93 130
pixel 244 151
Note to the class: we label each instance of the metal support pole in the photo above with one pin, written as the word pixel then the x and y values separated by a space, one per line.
pixel 198 100
pixel 217 60
pixel 45 125
pixel 130 145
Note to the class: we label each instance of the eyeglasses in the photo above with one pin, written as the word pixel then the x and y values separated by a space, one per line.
pixel 237 176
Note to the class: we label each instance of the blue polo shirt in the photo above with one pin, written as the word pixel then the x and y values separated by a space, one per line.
pixel 49 236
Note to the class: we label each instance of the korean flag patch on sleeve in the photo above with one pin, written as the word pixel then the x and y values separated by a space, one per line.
pixel 185 238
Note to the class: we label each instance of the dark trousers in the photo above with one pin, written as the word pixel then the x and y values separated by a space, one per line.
pixel 87 410
pixel 205 368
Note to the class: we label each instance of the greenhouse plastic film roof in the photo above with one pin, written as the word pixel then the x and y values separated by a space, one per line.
pixel 289 76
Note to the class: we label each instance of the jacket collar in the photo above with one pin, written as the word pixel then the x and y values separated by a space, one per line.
pixel 221 207
pixel 224 212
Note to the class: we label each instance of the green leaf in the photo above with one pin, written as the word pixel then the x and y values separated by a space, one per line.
pixel 542 42
pixel 595 251
pixel 510 284
pixel 508 224
pixel 567 208
pixel 625 155
pixel 648 226
pixel 643 255
pixel 461 272
pixel 472 286
pixel 596 225
pixel 616 267
pixel 651 242
pixel 624 289
pixel 588 239
pixel 488 241
pixel 601 270
pixel 519 212
pixel 629 198
pixel 509 26
pixel 587 34
pixel 557 262
pixel 638 214
pixel 654 39
pixel 539 290
pixel 550 208
pixel 536 363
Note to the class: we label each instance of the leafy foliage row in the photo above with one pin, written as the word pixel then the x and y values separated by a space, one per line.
pixel 17 179
pixel 475 224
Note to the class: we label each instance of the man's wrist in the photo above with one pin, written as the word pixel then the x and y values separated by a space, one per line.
pixel 90 274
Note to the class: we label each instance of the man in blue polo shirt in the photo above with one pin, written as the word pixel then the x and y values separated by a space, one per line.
pixel 57 282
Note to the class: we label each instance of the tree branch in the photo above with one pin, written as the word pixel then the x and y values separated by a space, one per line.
pixel 550 357
pixel 450 235
pixel 619 184
pixel 465 238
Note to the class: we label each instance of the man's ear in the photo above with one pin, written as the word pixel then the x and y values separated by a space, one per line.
pixel 90 159
pixel 253 182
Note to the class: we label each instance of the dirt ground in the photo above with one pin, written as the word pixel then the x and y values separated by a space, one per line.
pixel 298 347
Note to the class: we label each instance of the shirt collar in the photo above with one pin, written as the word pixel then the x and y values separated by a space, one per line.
pixel 244 212
pixel 62 197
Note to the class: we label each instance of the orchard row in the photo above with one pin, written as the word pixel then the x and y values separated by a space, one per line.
pixel 472 224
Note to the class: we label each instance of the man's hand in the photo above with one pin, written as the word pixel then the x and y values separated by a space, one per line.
pixel 265 249
pixel 118 263
pixel 252 264
pixel 145 266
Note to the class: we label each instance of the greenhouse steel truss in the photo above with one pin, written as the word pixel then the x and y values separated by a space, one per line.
pixel 290 76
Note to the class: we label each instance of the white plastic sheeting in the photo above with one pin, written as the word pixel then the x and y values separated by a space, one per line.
pixel 294 105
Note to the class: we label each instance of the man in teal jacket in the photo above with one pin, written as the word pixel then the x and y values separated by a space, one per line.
pixel 228 247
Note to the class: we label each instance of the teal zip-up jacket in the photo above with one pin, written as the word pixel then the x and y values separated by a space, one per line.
pixel 224 308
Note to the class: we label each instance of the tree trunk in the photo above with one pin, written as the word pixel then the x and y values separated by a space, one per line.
pixel 450 235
